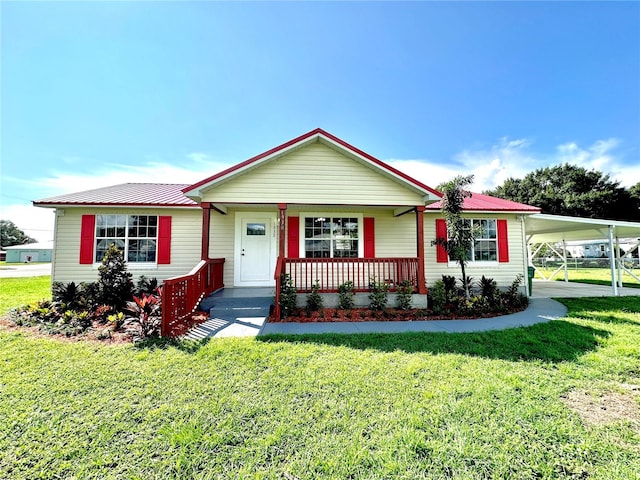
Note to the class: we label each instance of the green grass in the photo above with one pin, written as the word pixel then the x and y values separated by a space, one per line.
pixel 594 276
pixel 20 291
pixel 406 406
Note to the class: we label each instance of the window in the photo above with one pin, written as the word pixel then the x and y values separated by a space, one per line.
pixel 135 235
pixel 331 237
pixel 485 247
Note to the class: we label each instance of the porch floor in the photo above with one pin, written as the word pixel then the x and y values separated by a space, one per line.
pixel 234 312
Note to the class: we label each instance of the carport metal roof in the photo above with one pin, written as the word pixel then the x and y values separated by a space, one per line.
pixel 543 228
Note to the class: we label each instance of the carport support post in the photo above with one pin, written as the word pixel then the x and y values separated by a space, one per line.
pixel 564 257
pixel 618 261
pixel 612 262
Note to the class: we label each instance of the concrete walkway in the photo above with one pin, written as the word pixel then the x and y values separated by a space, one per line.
pixel 240 312
pixel 539 310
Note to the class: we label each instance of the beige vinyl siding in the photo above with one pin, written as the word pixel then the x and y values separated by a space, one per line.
pixel 503 273
pixel 221 242
pixel 314 174
pixel 395 236
pixel 185 244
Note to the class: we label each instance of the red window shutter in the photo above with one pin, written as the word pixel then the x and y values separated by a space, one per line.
pixel 164 240
pixel 441 233
pixel 87 238
pixel 503 241
pixel 293 234
pixel 369 237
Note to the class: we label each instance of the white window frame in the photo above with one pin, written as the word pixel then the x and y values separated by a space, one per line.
pixel 131 264
pixel 481 262
pixel 304 215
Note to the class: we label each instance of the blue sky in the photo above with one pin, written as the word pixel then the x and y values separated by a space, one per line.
pixel 98 93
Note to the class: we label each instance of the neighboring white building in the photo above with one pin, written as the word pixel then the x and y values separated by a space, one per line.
pixel 30 252
pixel 599 248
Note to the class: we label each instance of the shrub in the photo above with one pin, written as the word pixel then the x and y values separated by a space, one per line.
pixel 405 295
pixel 449 283
pixel 513 298
pixel 314 299
pixel 146 319
pixel 437 297
pixel 146 285
pixel 489 288
pixel 69 294
pixel 346 295
pixel 116 286
pixel 288 295
pixel 378 294
pixel 90 296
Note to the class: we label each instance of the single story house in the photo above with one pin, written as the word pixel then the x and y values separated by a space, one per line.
pixel 30 252
pixel 315 207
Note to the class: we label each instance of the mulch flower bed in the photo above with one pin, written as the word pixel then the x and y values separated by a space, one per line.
pixel 388 315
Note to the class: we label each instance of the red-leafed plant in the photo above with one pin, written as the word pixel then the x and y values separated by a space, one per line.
pixel 147 316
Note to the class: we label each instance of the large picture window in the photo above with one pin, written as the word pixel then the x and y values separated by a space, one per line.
pixel 331 237
pixel 135 235
pixel 485 247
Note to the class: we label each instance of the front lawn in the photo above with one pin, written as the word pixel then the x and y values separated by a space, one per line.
pixel 406 406
pixel 20 291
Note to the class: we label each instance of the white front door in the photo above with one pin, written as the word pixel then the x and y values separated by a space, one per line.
pixel 255 249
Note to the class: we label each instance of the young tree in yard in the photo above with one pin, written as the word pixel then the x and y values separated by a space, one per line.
pixel 460 235
pixel 10 234
pixel 115 283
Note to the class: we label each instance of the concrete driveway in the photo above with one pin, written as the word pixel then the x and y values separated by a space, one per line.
pixel 12 270
pixel 549 289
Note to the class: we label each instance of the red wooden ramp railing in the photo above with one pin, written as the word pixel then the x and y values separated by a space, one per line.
pixel 330 273
pixel 182 295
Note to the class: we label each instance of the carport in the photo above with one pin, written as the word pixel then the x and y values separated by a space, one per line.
pixel 553 229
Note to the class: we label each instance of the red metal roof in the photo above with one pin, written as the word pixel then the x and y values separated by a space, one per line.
pixel 302 138
pixel 135 194
pixel 480 202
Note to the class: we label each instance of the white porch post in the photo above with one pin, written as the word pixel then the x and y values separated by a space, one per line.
pixel 612 262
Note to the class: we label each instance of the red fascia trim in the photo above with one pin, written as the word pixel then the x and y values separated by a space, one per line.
pixel 79 204
pixel 381 163
pixel 317 131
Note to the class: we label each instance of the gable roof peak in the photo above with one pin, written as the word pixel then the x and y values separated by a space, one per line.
pixel 194 190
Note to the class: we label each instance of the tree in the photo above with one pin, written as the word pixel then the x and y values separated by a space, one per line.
pixel 571 190
pixel 115 282
pixel 10 235
pixel 460 235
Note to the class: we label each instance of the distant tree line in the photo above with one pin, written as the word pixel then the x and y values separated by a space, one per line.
pixel 575 191
pixel 10 235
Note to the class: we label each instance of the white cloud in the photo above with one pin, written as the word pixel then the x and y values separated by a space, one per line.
pixel 513 158
pixel 39 222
